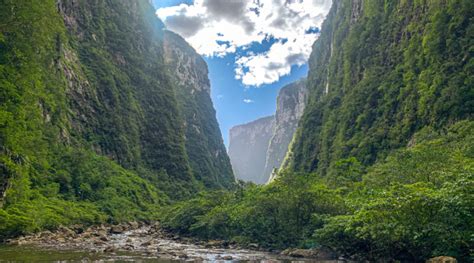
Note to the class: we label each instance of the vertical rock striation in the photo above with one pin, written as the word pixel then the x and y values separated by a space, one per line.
pixel 291 102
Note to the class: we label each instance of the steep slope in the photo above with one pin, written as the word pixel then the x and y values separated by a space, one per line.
pixel 124 104
pixel 204 145
pixel 91 128
pixel 290 106
pixel 248 144
pixel 381 71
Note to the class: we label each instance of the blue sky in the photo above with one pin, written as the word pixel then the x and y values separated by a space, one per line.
pixel 252 50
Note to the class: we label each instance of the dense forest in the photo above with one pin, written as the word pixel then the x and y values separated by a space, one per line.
pixel 105 117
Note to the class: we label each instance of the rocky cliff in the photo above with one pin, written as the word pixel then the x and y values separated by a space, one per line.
pixel 248 144
pixel 291 102
pixel 203 140
pixel 258 148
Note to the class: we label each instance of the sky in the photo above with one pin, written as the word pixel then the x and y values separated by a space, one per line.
pixel 252 48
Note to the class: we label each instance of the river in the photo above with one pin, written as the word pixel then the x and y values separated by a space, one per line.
pixel 137 244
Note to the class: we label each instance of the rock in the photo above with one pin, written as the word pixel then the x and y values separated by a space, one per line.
pixel 302 253
pixel 98 242
pixel 147 243
pixel 442 259
pixel 66 232
pixel 213 243
pixel 182 255
pixel 104 238
pixel 134 225
pixel 227 258
pixel 129 247
pixel 45 234
pixel 253 246
pixel 118 229
pixel 101 232
pixel 321 253
pixel 109 249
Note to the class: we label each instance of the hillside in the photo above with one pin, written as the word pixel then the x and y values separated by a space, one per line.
pixel 92 126
pixel 380 72
pixel 203 140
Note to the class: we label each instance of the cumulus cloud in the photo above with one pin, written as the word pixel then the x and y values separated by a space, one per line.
pixel 248 101
pixel 220 27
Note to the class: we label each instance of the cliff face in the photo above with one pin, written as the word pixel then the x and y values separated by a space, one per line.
pixel 248 144
pixel 379 72
pixel 258 148
pixel 120 93
pixel 203 140
pixel 291 102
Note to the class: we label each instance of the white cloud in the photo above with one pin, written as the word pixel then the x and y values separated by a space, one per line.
pixel 220 27
pixel 248 101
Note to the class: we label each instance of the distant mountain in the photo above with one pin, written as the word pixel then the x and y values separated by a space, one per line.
pixel 257 148
pixel 248 144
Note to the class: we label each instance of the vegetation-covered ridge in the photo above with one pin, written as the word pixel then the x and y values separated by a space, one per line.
pixel 90 126
pixel 379 72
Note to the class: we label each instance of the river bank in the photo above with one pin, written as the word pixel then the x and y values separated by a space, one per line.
pixel 139 241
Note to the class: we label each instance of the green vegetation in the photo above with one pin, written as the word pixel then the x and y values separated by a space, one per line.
pixel 413 205
pixel 390 68
pixel 90 128
pixel 95 128
pixel 382 165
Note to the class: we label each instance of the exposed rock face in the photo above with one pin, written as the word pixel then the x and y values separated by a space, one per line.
pixel 248 148
pixel 290 106
pixel 267 138
pixel 203 140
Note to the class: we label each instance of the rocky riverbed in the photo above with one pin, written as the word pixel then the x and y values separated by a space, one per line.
pixel 133 241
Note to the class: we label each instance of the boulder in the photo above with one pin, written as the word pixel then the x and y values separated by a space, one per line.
pixel 320 253
pixel 118 229
pixel 109 249
pixel 134 225
pixel 253 246
pixel 442 259
pixel 301 253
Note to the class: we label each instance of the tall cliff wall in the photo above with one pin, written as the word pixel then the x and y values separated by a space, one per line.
pixel 248 144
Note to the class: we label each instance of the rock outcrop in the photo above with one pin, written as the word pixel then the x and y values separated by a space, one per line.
pixel 291 102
